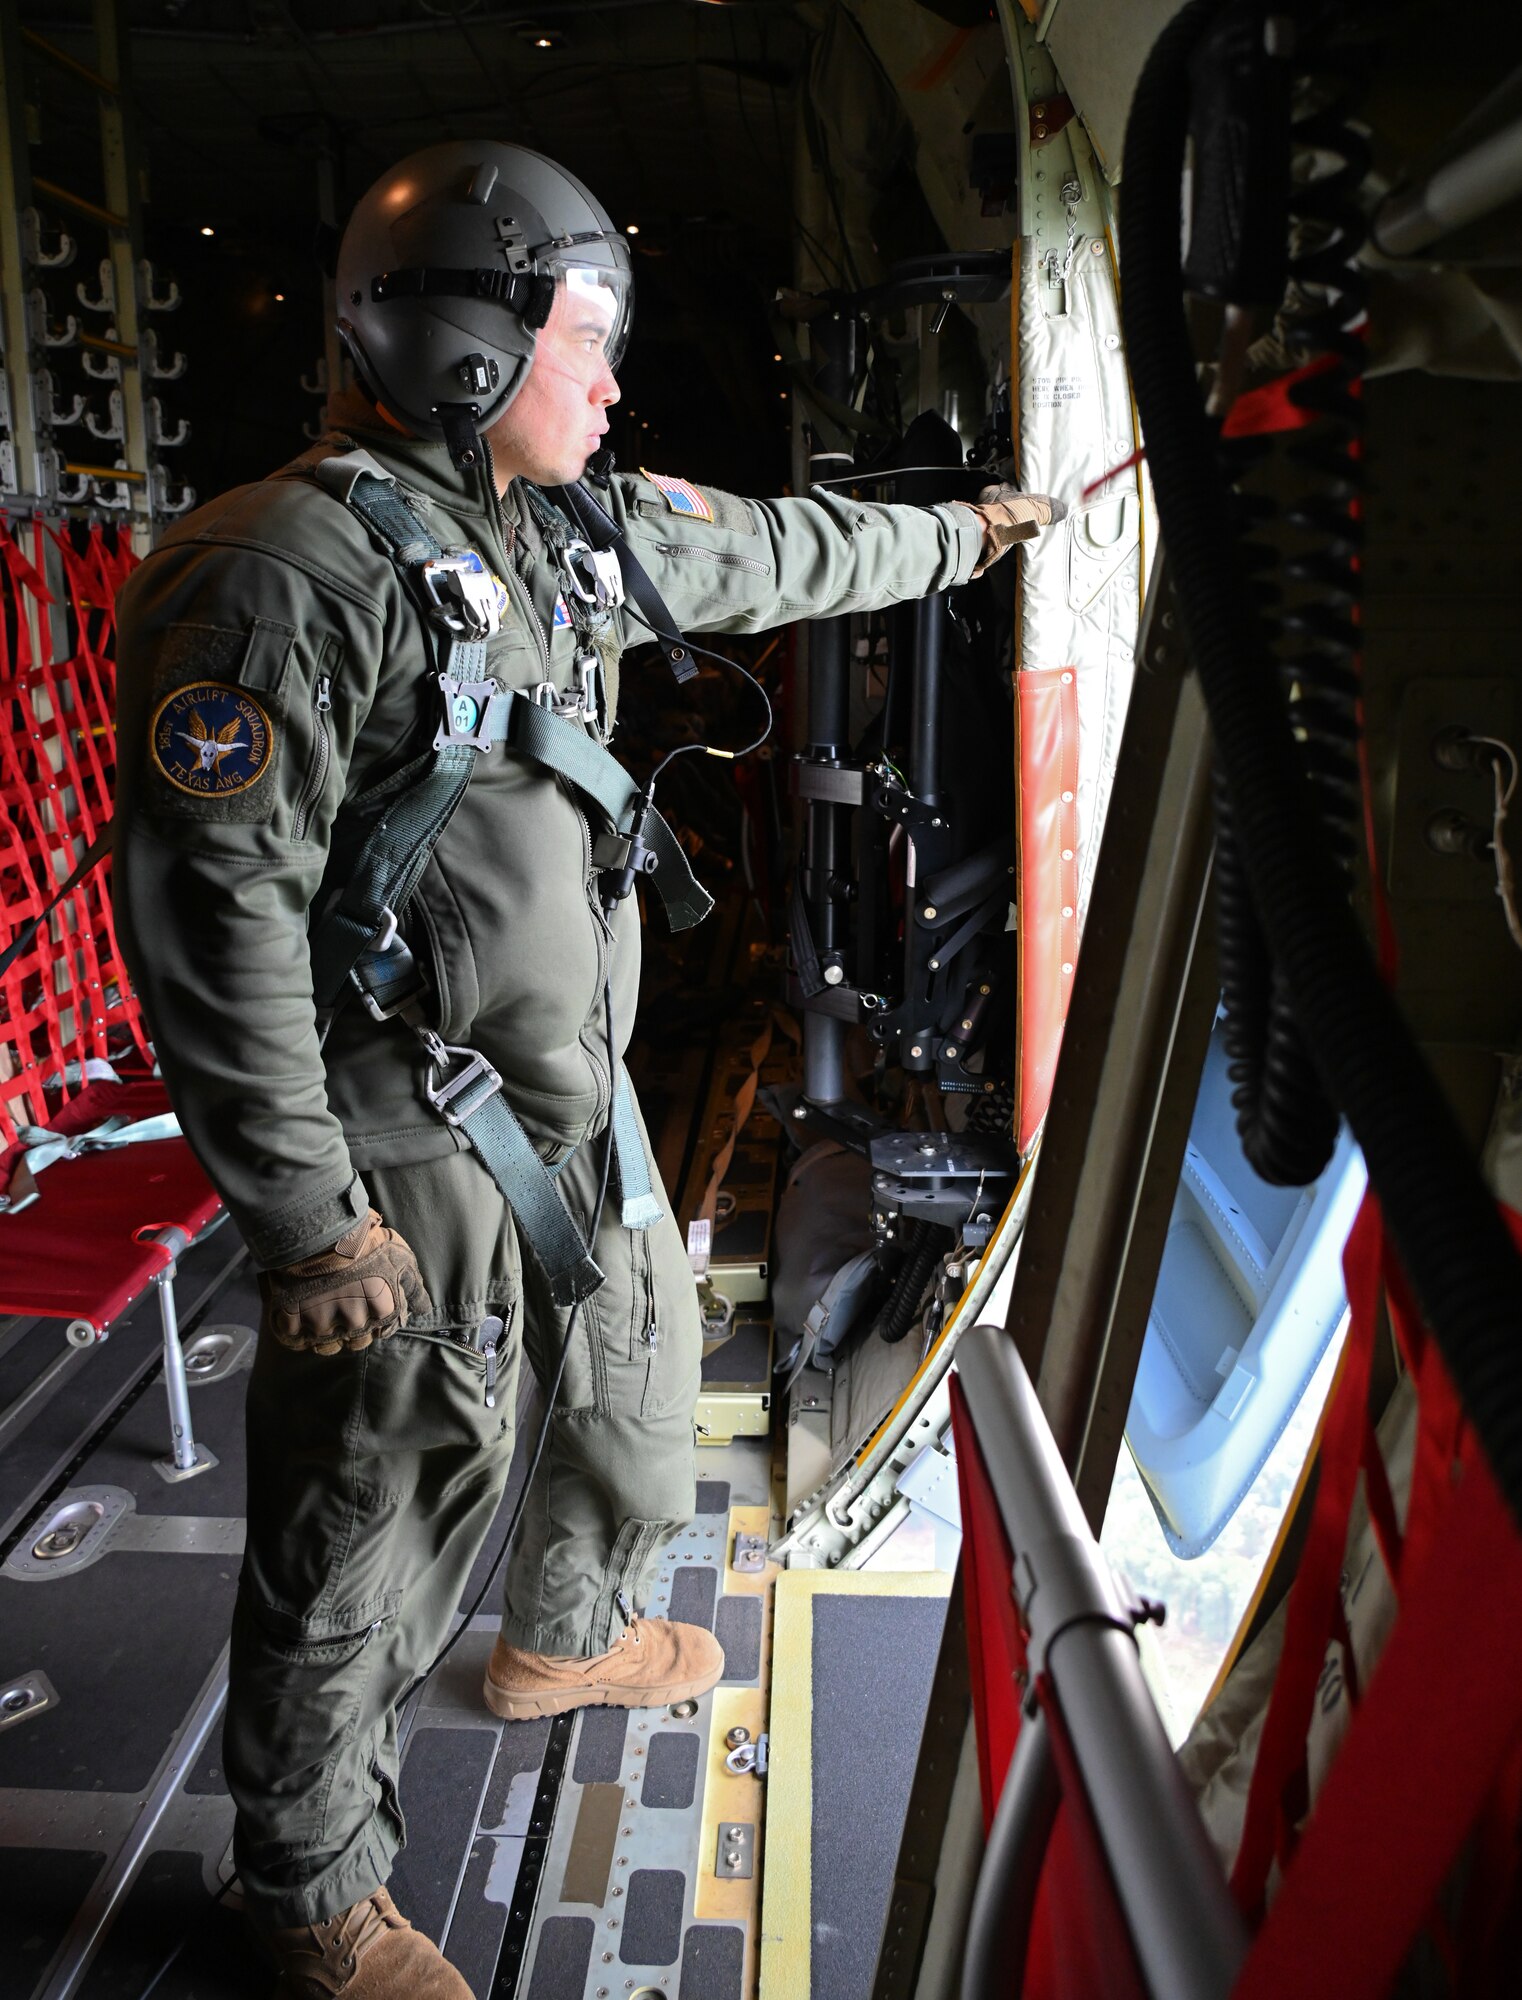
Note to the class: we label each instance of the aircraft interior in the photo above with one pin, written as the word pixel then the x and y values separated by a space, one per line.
pixel 1092 1109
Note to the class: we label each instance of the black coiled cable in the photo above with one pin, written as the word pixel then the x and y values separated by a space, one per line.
pixel 928 1243
pixel 1442 1217
pixel 1285 1118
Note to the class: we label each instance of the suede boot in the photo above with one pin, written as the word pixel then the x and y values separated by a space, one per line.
pixel 653 1662
pixel 369 1952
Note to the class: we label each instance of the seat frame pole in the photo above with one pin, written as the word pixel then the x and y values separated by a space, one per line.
pixel 186 1458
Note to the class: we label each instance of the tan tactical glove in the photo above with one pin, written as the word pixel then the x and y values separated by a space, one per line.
pixel 364 1288
pixel 1008 516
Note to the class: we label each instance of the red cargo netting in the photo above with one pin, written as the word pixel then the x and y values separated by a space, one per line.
pixel 66 999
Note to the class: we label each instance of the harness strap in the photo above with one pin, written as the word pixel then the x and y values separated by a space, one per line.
pixel 383 873
pixel 548 739
pixel 640 1207
pixel 380 870
pixel 363 483
pixel 379 858
pixel 603 532
pixel 471 1099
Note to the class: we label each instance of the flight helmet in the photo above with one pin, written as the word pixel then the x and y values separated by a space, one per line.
pixel 448 270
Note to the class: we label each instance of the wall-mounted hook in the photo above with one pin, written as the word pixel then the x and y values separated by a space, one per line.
pixel 169 499
pixel 318 384
pixel 67 489
pixel 50 412
pixel 160 438
pixel 106 303
pixel 312 431
pixel 42 331
pixel 102 367
pixel 64 248
pixel 115 424
pixel 119 497
pixel 151 302
pixel 149 346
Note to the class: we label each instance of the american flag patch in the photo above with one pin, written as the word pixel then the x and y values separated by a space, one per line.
pixel 681 497
pixel 561 616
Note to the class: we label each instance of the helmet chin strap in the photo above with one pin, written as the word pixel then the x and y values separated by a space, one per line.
pixel 460 434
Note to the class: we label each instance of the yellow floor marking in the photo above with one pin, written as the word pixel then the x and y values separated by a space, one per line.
pixel 728 1798
pixel 787 1898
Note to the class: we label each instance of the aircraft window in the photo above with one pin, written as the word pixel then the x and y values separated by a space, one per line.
pixel 1207 1594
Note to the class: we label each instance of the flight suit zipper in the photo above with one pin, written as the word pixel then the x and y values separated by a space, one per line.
pixel 722 557
pixel 489 1336
pixel 317 772
pixel 650 1339
pixel 602 937
pixel 517 590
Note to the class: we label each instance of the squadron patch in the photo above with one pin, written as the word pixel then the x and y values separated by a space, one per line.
pixel 680 496
pixel 211 741
pixel 561 617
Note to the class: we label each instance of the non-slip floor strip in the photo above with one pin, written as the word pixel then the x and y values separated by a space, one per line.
pixel 652 1926
pixel 713 1963
pixel 863 1766
pixel 842 1755
pixel 563 1960
pixel 600 1746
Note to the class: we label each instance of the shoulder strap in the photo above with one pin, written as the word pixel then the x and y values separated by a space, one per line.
pixel 393 832
pixel 603 532
pixel 363 483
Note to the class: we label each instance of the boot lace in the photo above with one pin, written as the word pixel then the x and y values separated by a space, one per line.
pixel 324 1959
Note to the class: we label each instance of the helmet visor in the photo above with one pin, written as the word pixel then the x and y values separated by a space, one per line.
pixel 595 308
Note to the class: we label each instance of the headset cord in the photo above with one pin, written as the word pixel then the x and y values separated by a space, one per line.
pixel 723 660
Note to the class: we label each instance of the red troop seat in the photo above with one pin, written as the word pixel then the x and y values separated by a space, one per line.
pixel 85 1238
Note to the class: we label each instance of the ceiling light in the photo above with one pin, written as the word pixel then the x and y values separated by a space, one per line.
pixel 776 357
pixel 207 230
pixel 631 229
pixel 280 298
pixel 542 38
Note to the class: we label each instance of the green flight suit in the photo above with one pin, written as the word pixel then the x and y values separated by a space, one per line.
pixel 271 662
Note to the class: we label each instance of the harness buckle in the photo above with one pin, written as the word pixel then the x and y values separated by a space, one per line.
pixel 582 701
pixel 386 976
pixel 591 693
pixel 467 707
pixel 460 1096
pixel 465 592
pixel 594 575
pixel 545 694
